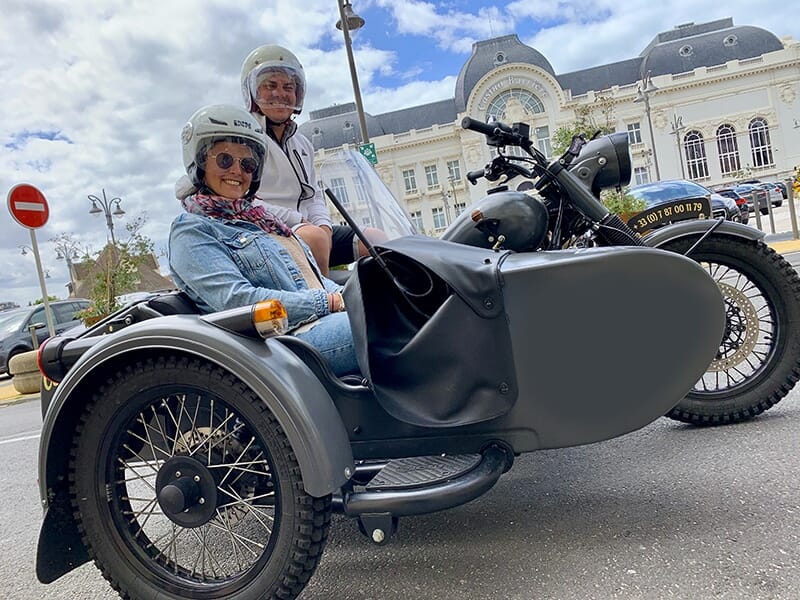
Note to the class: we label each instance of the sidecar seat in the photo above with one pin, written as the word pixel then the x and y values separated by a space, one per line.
pixel 177 303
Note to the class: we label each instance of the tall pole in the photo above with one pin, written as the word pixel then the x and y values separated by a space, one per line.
pixel 107 205
pixel 47 311
pixel 645 89
pixel 677 127
pixel 344 25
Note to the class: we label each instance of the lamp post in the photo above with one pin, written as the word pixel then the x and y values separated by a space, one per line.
pixel 643 95
pixel 445 196
pixel 677 127
pixel 350 21
pixel 107 205
pixel 67 249
pixel 453 192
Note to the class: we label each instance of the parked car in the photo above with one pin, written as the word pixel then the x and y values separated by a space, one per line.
pixel 15 324
pixel 774 191
pixel 771 187
pixel 660 192
pixel 755 196
pixel 740 200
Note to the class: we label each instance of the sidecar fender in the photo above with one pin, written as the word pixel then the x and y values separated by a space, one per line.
pixel 297 399
pixel 666 234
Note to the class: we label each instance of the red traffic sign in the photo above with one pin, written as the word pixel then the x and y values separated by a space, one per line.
pixel 28 206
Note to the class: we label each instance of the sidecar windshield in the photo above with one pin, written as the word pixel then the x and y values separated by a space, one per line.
pixel 357 186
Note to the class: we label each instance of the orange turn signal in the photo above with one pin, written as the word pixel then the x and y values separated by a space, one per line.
pixel 270 318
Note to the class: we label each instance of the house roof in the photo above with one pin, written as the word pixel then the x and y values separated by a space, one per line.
pixel 678 50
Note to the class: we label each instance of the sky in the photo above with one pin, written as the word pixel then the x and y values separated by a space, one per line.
pixel 95 92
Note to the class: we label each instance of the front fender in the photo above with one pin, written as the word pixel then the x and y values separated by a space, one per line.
pixel 671 232
pixel 297 399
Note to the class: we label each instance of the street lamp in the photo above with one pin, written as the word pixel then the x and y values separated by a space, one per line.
pixel 350 21
pixel 677 127
pixel 643 95
pixel 107 206
pixel 445 196
pixel 67 249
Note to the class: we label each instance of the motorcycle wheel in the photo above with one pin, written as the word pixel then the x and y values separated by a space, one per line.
pixel 758 362
pixel 185 486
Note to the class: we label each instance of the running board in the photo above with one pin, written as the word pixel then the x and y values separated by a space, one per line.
pixel 421 485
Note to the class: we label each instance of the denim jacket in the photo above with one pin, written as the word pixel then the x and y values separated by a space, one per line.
pixel 225 264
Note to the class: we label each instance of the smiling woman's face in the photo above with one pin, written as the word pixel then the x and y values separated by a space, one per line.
pixel 231 182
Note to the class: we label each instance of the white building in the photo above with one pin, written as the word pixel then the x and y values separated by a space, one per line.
pixel 721 104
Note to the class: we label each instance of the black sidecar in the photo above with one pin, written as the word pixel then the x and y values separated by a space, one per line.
pixel 190 458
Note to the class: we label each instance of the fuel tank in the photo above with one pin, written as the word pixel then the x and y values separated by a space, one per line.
pixel 520 219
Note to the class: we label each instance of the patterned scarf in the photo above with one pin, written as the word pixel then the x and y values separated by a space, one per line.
pixel 235 210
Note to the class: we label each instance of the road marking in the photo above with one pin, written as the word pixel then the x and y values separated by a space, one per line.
pixel 20 439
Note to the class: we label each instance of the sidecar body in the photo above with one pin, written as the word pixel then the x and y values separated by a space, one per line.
pixel 468 358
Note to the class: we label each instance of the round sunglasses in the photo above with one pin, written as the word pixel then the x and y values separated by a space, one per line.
pixel 224 160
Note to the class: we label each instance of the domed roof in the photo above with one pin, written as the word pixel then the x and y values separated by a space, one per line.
pixel 690 46
pixel 490 54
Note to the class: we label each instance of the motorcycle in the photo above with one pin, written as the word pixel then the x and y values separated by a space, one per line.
pixel 758 360
pixel 201 455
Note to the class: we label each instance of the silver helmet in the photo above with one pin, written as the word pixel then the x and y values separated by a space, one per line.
pixel 265 60
pixel 216 123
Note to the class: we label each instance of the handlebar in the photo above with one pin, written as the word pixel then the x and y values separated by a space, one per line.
pixel 473 176
pixel 484 128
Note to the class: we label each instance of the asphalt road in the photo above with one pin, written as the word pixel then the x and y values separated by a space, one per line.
pixel 670 511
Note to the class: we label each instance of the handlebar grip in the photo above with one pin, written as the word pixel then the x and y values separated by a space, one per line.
pixel 473 176
pixel 479 126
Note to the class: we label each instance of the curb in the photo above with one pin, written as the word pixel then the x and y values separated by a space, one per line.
pixel 785 246
pixel 9 395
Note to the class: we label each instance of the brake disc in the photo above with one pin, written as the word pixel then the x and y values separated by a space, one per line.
pixel 741 329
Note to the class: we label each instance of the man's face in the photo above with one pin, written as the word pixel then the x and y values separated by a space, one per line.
pixel 277 96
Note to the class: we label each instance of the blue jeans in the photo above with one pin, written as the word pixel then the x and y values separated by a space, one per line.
pixel 331 335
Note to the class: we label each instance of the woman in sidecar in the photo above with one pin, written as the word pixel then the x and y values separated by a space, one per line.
pixel 225 251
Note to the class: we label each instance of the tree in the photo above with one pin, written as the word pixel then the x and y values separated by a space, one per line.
pixel 622 202
pixel 586 123
pixel 116 269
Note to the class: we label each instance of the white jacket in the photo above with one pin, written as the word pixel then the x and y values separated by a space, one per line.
pixel 289 184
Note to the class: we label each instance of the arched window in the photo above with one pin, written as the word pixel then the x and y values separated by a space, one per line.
pixel 760 145
pixel 515 105
pixel 695 151
pixel 728 149
pixel 516 98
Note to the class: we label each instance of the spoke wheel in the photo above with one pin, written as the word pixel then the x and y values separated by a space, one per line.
pixel 184 485
pixel 758 361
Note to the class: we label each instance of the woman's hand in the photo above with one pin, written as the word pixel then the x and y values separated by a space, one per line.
pixel 336 302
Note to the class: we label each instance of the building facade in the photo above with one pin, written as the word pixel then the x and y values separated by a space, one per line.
pixel 712 102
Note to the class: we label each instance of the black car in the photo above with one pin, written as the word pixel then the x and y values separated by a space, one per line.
pixel 15 326
pixel 741 202
pixel 660 192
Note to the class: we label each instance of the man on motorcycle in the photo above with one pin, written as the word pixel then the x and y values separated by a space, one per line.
pixel 273 88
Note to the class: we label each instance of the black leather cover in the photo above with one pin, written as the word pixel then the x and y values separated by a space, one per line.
pixel 439 353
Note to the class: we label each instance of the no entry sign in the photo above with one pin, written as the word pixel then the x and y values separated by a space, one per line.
pixel 28 206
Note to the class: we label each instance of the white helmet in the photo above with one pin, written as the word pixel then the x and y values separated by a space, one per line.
pixel 215 123
pixel 268 59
